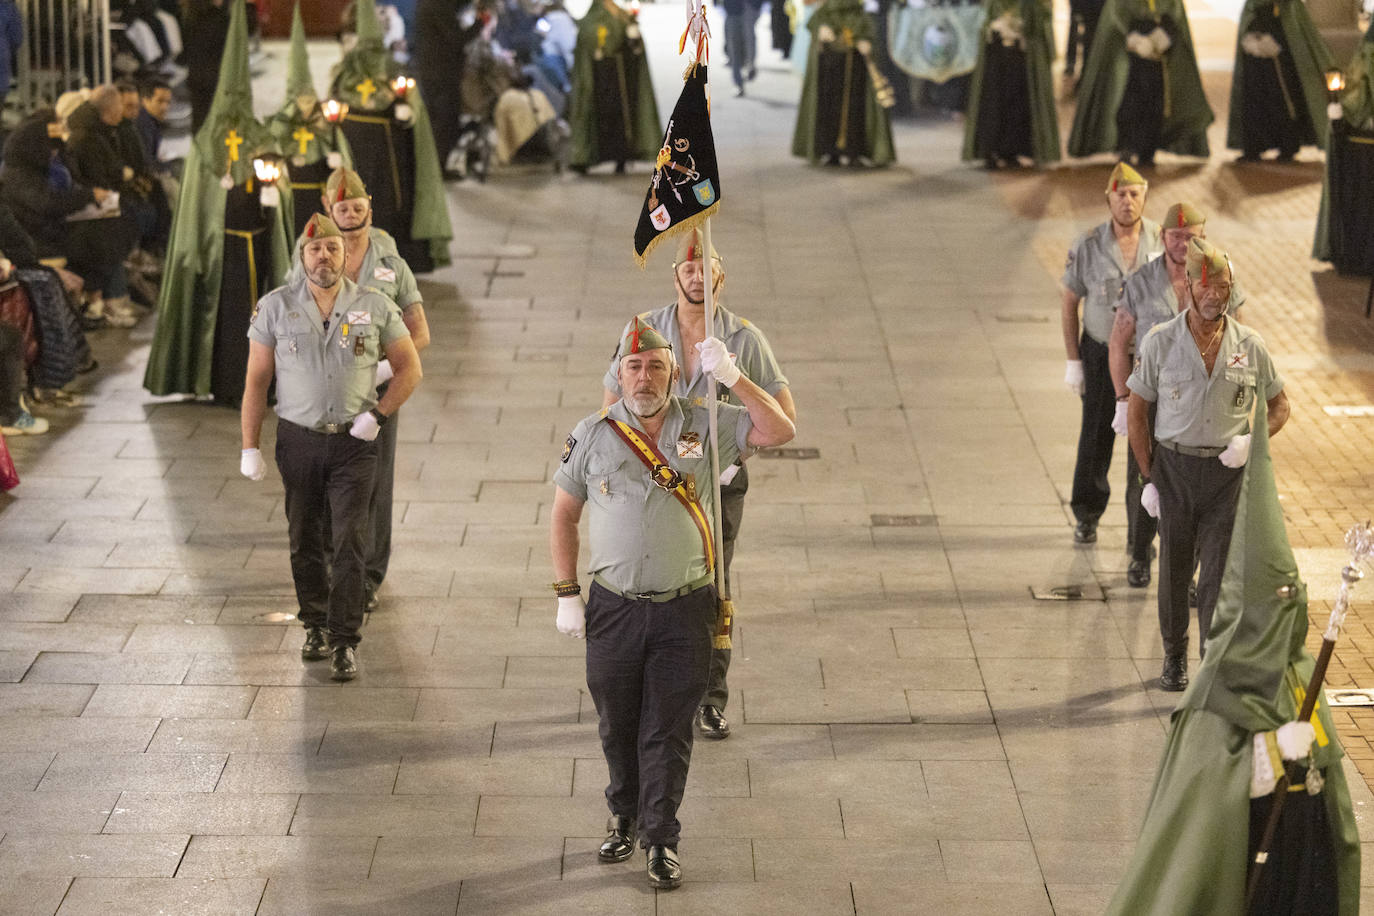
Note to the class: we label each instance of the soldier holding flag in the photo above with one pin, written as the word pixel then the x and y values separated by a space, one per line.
pixel 683 323
pixel 643 468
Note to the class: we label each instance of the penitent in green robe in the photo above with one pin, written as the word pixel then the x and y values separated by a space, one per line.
pixel 1193 850
pixel 1357 114
pixel 1311 57
pixel 1103 86
pixel 611 111
pixel 362 80
pixel 1037 27
pixel 181 359
pixel 850 25
pixel 313 146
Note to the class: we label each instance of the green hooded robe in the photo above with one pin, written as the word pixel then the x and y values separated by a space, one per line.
pixel 313 146
pixel 1037 29
pixel 608 37
pixel 1311 56
pixel 1192 855
pixel 181 358
pixel 362 80
pixel 842 17
pixel 1357 113
pixel 1100 91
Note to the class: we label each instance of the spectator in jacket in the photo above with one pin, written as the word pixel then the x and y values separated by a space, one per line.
pixel 37 185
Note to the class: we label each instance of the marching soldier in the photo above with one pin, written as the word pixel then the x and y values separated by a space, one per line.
pixel 683 325
pixel 642 467
pixel 1153 294
pixel 371 261
pixel 1202 371
pixel 322 337
pixel 1097 267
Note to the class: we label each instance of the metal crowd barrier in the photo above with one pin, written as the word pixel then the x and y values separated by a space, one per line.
pixel 66 46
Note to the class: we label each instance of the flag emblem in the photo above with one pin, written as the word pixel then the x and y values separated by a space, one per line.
pixel 705 194
pixel 660 218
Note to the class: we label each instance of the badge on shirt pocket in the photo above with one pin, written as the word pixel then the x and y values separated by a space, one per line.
pixel 385 274
pixel 689 446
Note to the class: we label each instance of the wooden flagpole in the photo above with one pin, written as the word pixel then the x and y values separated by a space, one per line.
pixel 711 412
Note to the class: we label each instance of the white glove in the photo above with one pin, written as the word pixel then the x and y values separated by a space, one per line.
pixel 1237 452
pixel 1160 40
pixel 1073 376
pixel 251 464
pixel 825 34
pixel 728 474
pixel 1119 419
pixel 364 427
pixel 1149 499
pixel 1295 739
pixel 863 46
pixel 384 372
pixel 717 361
pixel 572 616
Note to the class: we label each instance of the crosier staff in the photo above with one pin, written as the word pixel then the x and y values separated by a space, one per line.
pixel 1360 541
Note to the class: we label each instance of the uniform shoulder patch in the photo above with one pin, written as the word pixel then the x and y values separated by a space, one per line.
pixel 568 449
pixel 746 323
pixel 601 415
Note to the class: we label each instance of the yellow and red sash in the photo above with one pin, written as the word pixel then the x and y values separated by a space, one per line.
pixel 666 476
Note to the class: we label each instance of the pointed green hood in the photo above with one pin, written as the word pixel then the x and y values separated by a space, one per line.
pixel 368 28
pixel 298 78
pixel 362 79
pixel 231 126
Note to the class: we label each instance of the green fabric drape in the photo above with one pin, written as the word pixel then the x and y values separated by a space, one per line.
pixel 362 80
pixel 1103 85
pixel 1193 848
pixel 645 126
pixel 1038 33
pixel 841 16
pixel 1310 54
pixel 179 360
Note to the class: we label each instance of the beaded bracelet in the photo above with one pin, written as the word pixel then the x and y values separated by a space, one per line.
pixel 566 588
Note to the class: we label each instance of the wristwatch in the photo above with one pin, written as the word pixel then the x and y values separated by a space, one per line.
pixel 380 417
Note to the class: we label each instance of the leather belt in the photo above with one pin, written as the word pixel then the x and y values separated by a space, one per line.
pixel 1190 450
pixel 323 429
pixel 655 597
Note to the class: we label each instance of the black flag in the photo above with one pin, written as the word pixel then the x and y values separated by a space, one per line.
pixel 685 189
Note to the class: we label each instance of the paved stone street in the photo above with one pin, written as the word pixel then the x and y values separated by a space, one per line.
pixel 913 732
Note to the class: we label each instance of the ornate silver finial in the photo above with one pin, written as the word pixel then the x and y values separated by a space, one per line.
pixel 1360 541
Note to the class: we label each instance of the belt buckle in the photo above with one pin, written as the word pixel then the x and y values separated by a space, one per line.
pixel 332 429
pixel 646 596
pixel 671 482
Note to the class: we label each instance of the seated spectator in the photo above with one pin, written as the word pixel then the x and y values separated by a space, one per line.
pixel 38 187
pixel 527 129
pixel 63 351
pixel 155 98
pixel 141 196
pixel 95 159
pixel 18 346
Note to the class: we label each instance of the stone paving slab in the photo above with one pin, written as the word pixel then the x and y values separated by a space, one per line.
pixel 902 708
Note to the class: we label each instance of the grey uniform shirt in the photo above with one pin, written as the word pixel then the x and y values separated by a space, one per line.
pixel 641 538
pixel 752 354
pixel 1096 274
pixel 383 269
pixel 1149 298
pixel 1193 409
pixel 326 375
